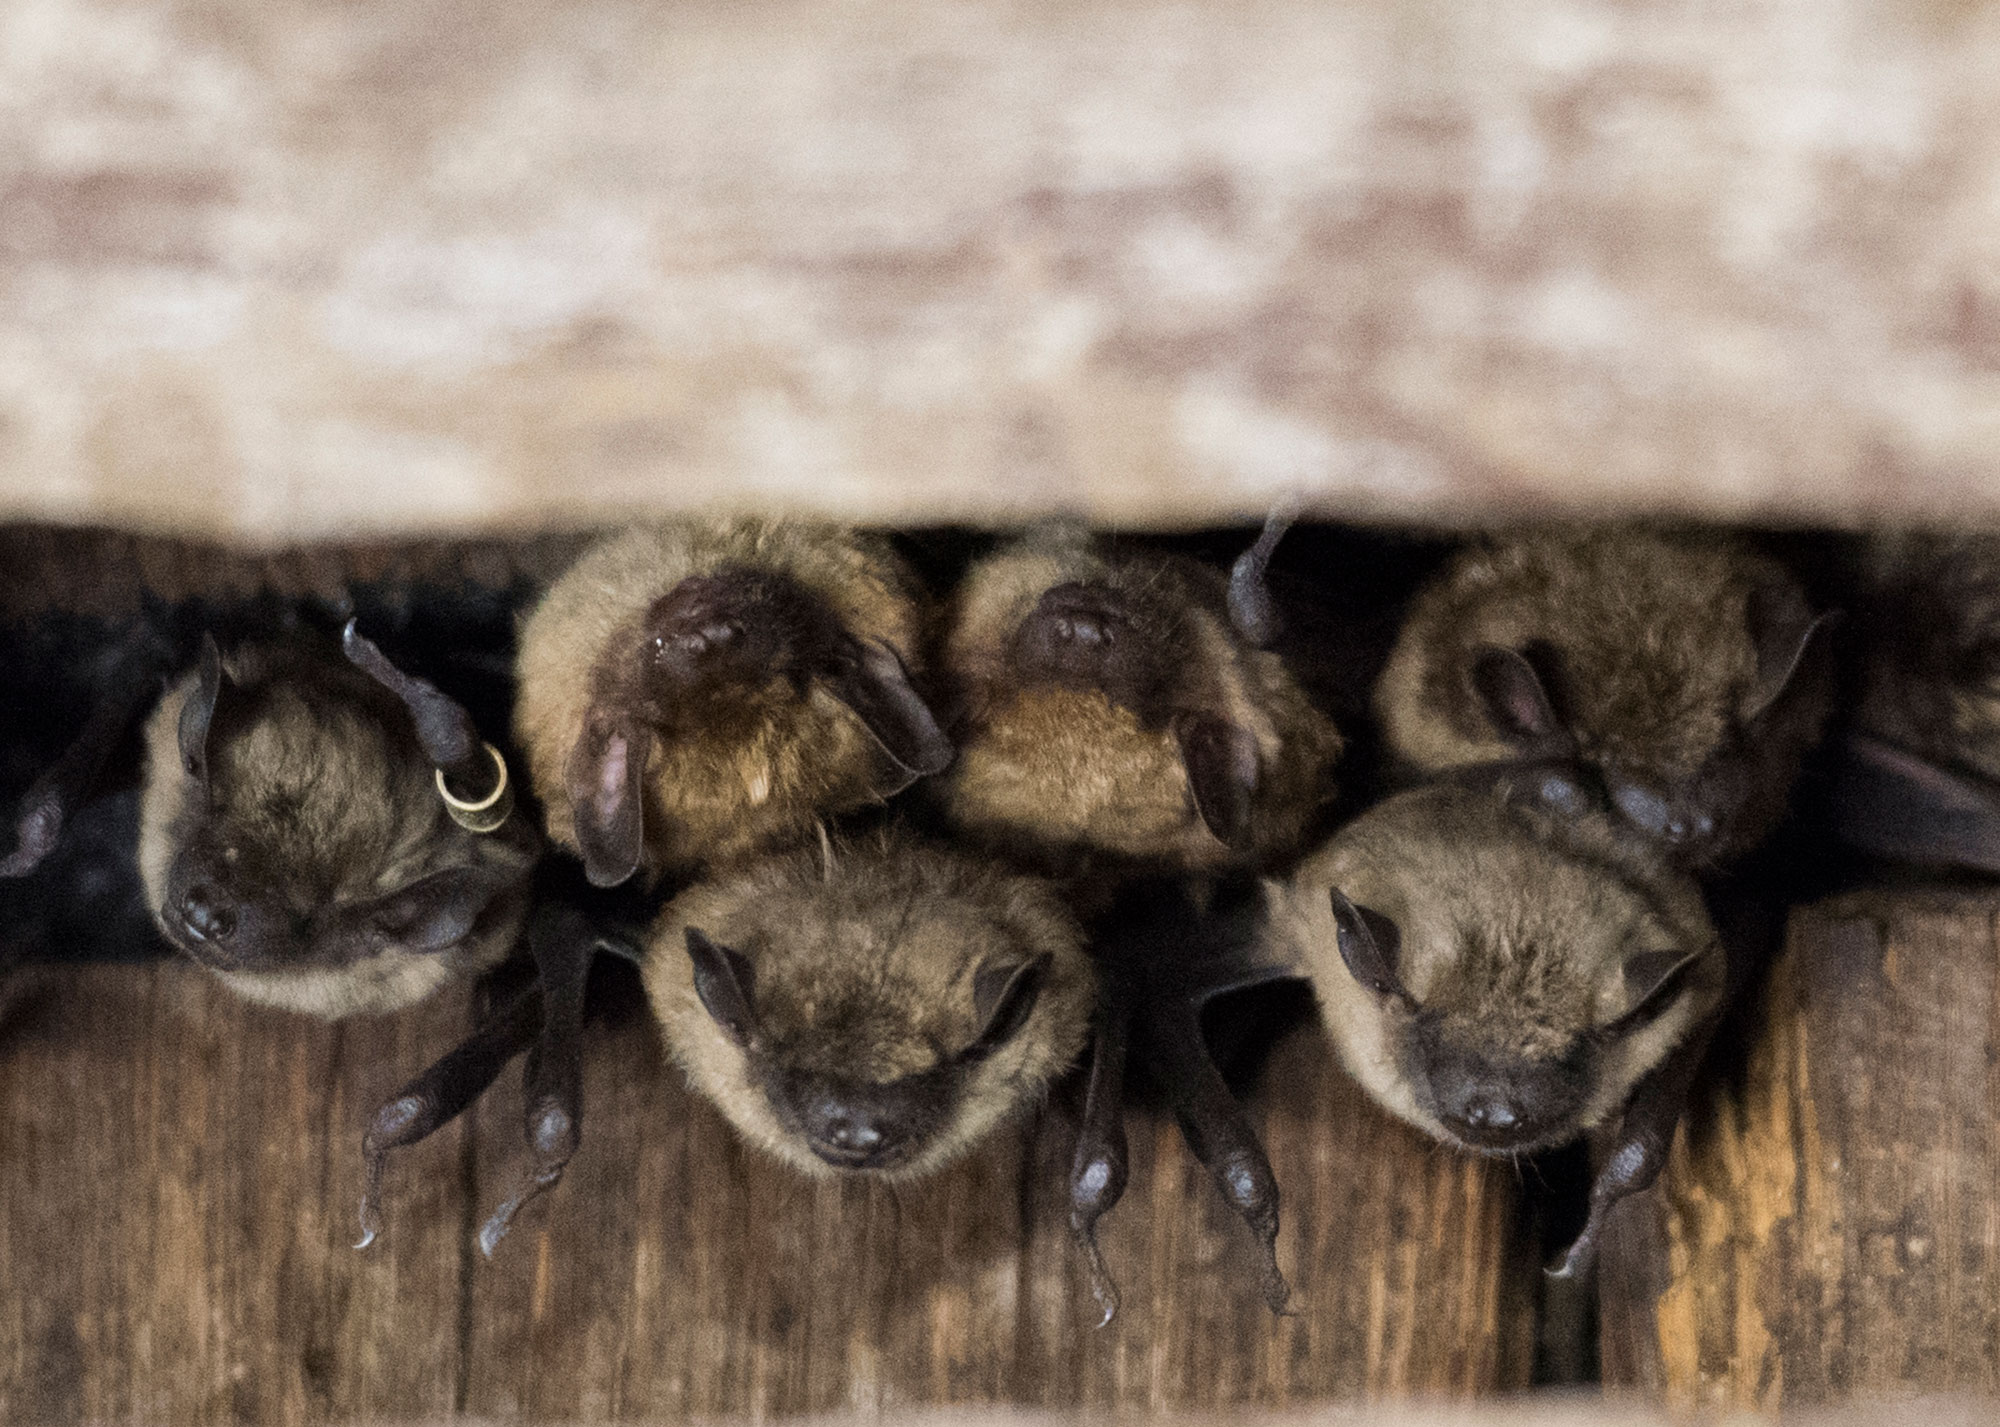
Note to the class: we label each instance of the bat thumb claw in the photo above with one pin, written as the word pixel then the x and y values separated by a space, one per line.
pixel 1576 1261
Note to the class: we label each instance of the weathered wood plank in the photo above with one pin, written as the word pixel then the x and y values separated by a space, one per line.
pixel 678 1273
pixel 1829 1223
pixel 178 1180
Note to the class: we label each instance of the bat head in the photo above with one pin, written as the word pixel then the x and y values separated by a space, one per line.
pixel 882 1017
pixel 714 653
pixel 1503 989
pixel 292 821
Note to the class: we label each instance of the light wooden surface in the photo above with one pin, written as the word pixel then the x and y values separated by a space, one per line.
pixel 1829 1224
pixel 178 1175
pixel 272 269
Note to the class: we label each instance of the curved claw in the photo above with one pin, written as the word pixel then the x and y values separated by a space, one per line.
pixel 554 1137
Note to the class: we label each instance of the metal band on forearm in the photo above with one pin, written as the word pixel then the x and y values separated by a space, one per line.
pixel 489 812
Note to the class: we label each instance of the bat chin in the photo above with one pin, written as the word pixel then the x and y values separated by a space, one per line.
pixel 1510 1146
pixel 888 1157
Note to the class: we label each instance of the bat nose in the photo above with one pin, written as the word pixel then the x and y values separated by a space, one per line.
pixel 848 1137
pixel 207 914
pixel 1486 1119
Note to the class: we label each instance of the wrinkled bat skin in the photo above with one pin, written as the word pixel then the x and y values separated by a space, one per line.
pixel 1507 969
pixel 1686 670
pixel 695 692
pixel 878 1006
pixel 1109 704
pixel 293 841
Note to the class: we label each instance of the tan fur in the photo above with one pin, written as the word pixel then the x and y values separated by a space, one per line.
pixel 1516 931
pixel 731 789
pixel 360 818
pixel 864 957
pixel 1650 626
pixel 1044 770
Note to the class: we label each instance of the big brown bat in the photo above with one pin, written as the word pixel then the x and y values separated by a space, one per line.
pixel 1684 670
pixel 697 691
pixel 870 1006
pixel 1117 702
pixel 325 834
pixel 1507 967
pixel 1919 773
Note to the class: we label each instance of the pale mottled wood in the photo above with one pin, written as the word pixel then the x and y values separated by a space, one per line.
pixel 1829 1223
pixel 274 270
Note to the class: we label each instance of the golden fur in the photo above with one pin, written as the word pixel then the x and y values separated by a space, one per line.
pixel 1651 627
pixel 1043 771
pixel 342 803
pixel 1514 930
pixel 864 956
pixel 732 787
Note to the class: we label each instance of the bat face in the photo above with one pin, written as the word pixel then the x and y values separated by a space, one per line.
pixel 696 692
pixel 293 841
pixel 1108 704
pixel 876 1007
pixel 1491 972
pixel 1686 673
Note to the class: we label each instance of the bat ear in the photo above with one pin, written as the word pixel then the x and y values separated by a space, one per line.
pixel 606 796
pixel 1221 762
pixel 875 684
pixel 725 981
pixel 1251 609
pixel 433 913
pixel 1369 943
pixel 1515 699
pixel 444 729
pixel 1003 997
pixel 199 710
pixel 1782 628
pixel 1652 980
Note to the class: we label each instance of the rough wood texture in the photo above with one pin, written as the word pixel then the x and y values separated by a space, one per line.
pixel 177 1193
pixel 284 269
pixel 1829 1225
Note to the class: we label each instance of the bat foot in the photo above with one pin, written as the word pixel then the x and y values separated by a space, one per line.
pixel 1096 1185
pixel 553 1137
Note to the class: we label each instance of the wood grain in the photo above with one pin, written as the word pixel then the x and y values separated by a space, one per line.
pixel 178 1180
pixel 178 1177
pixel 1829 1222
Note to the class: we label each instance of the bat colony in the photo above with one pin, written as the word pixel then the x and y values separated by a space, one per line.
pixel 894 861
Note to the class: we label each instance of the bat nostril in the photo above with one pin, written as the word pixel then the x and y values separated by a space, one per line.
pixel 855 1135
pixel 207 915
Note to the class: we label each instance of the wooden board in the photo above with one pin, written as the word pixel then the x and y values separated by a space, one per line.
pixel 1829 1223
pixel 177 1183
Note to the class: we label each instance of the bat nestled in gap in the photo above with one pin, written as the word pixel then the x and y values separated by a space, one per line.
pixel 1685 672
pixel 1507 967
pixel 1120 719
pixel 1919 770
pixel 689 694
pixel 700 691
pixel 1117 704
pixel 876 1005
pixel 327 835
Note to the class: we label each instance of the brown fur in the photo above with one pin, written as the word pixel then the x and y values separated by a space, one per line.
pixel 1652 633
pixel 865 956
pixel 323 796
pixel 1514 932
pixel 1931 641
pixel 1045 770
pixel 734 785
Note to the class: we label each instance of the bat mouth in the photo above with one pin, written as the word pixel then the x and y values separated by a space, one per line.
pixel 844 1157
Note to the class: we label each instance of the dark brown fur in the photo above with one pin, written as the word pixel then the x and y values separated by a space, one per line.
pixel 1930 647
pixel 875 985
pixel 1685 670
pixel 1109 706
pixel 300 849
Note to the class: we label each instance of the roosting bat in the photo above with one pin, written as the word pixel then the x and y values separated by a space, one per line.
pixel 1919 775
pixel 325 837
pixel 876 1005
pixel 1111 704
pixel 695 692
pixel 1685 670
pixel 1506 966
